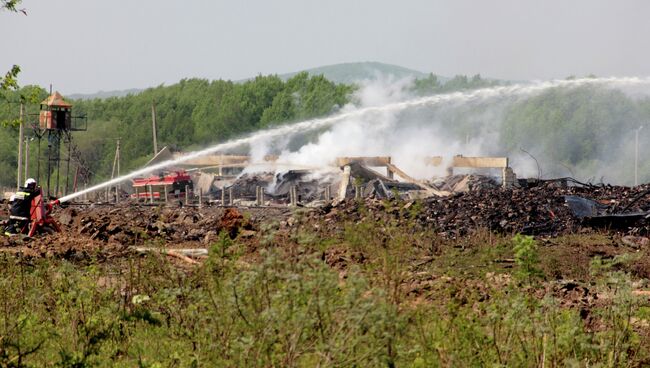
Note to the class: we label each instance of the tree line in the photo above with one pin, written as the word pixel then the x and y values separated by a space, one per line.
pixel 575 127
pixel 189 114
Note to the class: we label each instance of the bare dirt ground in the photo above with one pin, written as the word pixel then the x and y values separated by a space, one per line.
pixel 469 232
pixel 111 231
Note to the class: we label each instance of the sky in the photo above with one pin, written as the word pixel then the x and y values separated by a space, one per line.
pixel 84 46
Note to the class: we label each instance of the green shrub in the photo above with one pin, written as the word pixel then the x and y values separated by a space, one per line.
pixel 526 258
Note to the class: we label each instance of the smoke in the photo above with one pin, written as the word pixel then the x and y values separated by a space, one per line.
pixel 407 129
pixel 469 127
pixel 409 137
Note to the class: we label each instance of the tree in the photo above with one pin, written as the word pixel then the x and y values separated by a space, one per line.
pixel 9 81
pixel 424 86
pixel 12 5
pixel 571 126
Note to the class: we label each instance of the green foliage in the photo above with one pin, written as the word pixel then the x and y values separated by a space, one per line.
pixel 571 127
pixel 197 112
pixel 9 82
pixel 286 312
pixel 9 119
pixel 431 84
pixel 285 306
pixel 574 127
pixel 618 337
pixel 10 5
pixel 526 258
pixel 191 113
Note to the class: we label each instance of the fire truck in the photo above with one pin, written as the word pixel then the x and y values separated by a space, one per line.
pixel 166 186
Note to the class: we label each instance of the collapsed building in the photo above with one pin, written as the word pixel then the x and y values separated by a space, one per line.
pixel 242 180
pixel 471 192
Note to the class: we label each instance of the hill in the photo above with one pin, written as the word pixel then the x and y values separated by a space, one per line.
pixel 355 72
pixel 104 94
pixel 346 73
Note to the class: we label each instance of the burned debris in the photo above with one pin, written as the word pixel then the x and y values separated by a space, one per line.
pixel 453 205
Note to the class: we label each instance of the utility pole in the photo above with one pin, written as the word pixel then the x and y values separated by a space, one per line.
pixel 636 156
pixel 153 120
pixel 26 158
pixel 67 169
pixel 116 164
pixel 119 186
pixel 38 160
pixel 21 136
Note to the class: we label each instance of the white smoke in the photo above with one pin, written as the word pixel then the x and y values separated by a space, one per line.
pixel 407 129
pixel 410 136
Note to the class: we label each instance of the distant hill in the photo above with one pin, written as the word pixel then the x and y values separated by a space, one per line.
pixel 355 72
pixel 104 94
pixel 339 73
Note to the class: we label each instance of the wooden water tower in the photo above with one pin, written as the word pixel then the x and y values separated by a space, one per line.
pixel 55 121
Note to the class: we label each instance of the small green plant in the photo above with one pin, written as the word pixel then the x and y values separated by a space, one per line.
pixel 221 246
pixel 619 309
pixel 526 258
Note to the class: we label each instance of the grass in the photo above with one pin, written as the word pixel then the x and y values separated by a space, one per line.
pixel 290 308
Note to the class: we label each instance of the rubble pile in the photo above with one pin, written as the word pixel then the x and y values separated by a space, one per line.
pixel 541 209
pixel 547 208
pixel 378 188
pixel 363 181
pixel 103 232
pixel 245 185
pixel 136 225
pixel 277 186
pixel 617 199
pixel 463 183
pixel 534 211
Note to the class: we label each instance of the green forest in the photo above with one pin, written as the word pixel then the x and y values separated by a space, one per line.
pixel 588 131
pixel 578 128
pixel 189 114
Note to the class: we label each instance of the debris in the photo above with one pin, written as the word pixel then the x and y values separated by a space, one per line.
pixel 617 220
pixel 583 207
pixel 247 233
pixel 231 221
pixel 635 241
pixel 169 252
pixel 189 252
pixel 548 208
pixel 66 217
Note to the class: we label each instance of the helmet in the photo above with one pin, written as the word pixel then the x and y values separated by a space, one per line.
pixel 30 182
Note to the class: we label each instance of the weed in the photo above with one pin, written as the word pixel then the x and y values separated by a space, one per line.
pixel 526 258
pixel 289 308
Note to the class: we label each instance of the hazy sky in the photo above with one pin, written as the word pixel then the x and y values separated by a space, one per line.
pixel 83 46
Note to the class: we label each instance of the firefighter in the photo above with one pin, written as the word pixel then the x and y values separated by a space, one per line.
pixel 20 210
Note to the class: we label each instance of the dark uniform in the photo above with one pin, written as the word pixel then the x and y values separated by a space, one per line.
pixel 20 211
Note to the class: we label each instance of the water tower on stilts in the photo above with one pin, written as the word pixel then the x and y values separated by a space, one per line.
pixel 56 124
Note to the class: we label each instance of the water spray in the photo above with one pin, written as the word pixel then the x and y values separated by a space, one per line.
pixel 319 123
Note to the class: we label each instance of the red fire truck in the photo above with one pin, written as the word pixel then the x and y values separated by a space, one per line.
pixel 166 186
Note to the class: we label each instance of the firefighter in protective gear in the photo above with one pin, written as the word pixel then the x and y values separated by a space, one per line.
pixel 20 211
